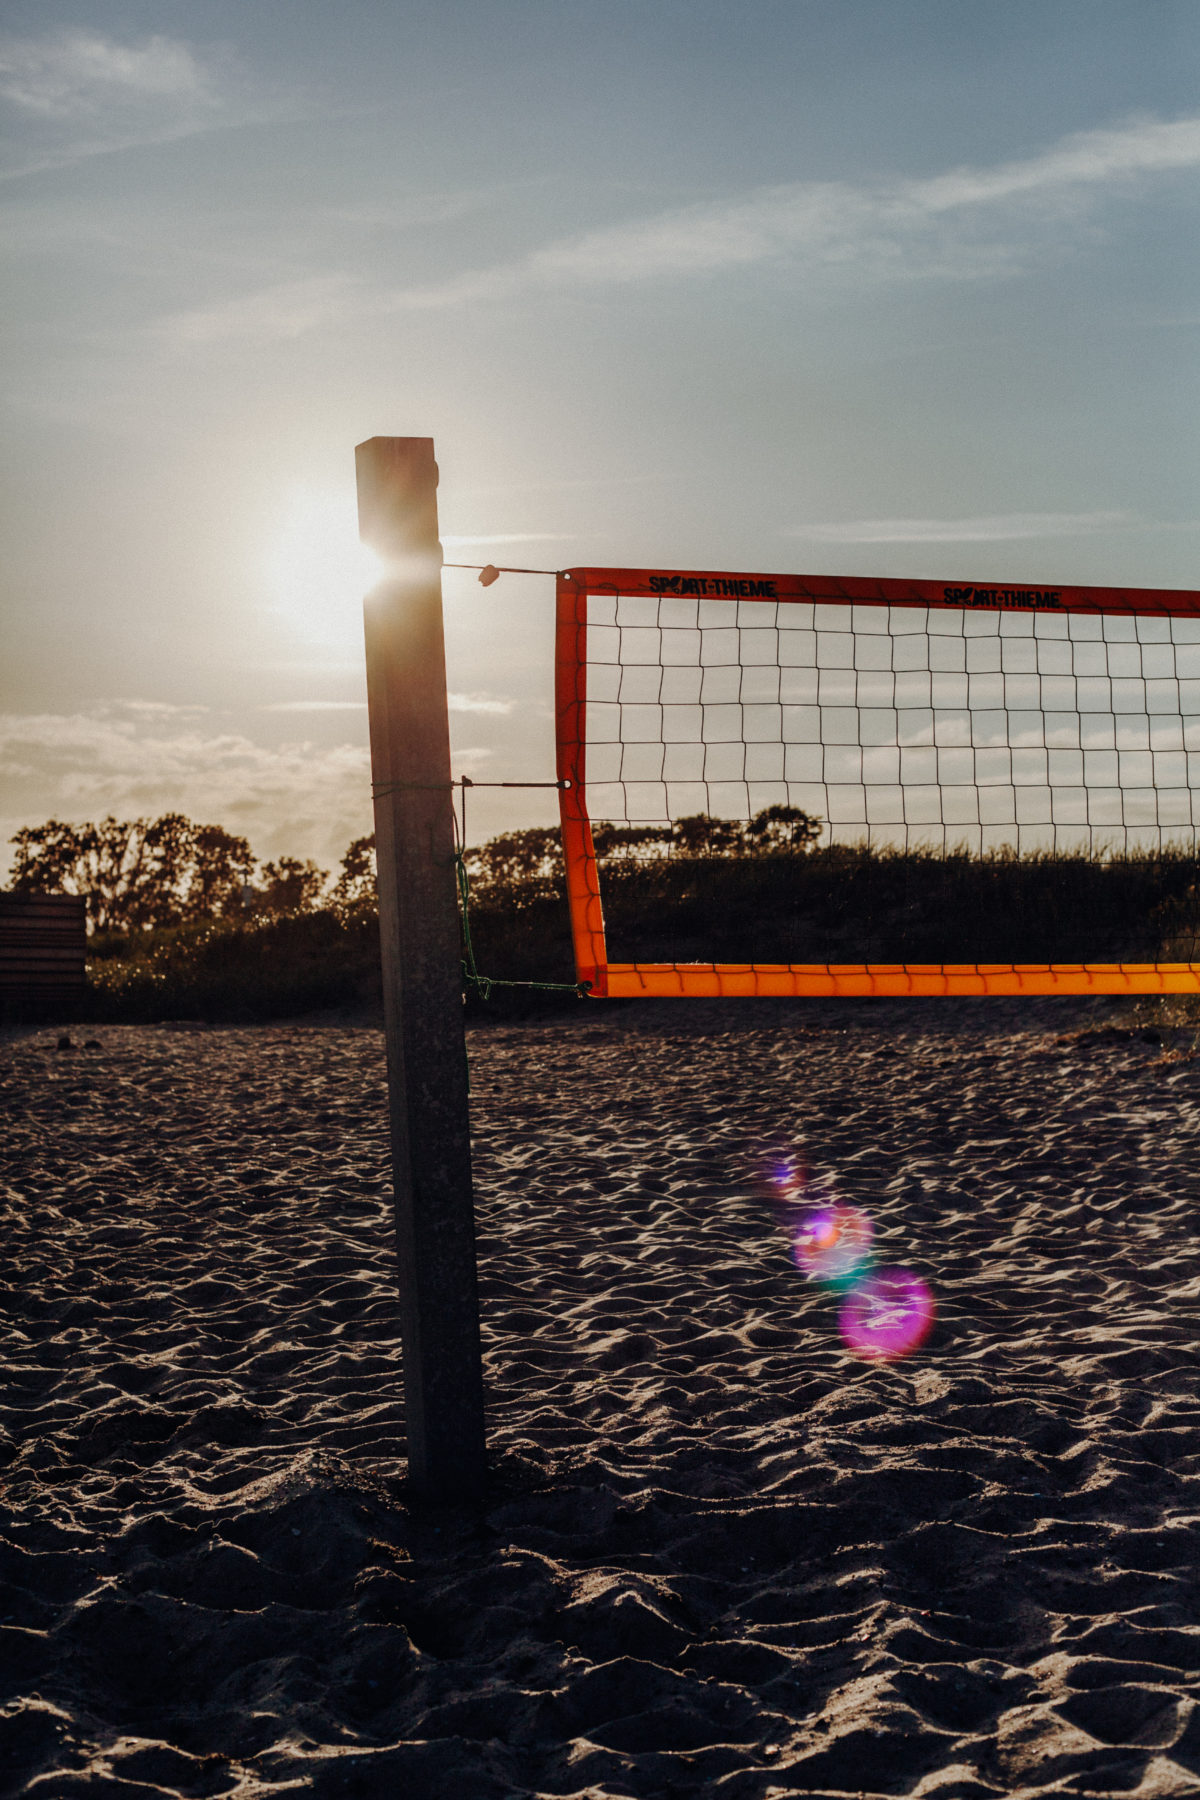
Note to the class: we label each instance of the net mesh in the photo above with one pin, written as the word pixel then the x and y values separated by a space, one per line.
pixel 795 784
pixel 897 725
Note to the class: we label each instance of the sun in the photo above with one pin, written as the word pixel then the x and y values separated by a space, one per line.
pixel 317 571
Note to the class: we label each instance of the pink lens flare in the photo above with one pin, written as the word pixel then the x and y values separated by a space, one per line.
pixel 831 1242
pixel 889 1314
pixel 792 1182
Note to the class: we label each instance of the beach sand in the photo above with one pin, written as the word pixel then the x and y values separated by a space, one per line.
pixel 721 1556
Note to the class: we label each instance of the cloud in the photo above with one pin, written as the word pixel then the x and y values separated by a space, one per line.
pixel 140 759
pixel 301 706
pixel 912 226
pixel 75 93
pixel 478 703
pixel 137 760
pixel 80 72
pixel 287 309
pixel 154 708
pixel 989 528
pixel 508 537
pixel 965 224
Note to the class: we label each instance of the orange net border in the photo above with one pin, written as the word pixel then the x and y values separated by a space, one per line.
pixel 751 980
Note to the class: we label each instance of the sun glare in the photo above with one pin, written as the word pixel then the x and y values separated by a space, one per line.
pixel 318 570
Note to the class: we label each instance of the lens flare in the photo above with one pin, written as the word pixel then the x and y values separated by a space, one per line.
pixel 883 1312
pixel 887 1315
pixel 831 1242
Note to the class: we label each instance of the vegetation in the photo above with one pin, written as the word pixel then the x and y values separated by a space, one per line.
pixel 857 903
pixel 269 967
pixel 185 923
pixel 141 875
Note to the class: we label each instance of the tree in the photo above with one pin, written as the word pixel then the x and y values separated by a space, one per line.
pixel 288 886
pixel 700 835
pixel 48 858
pixel 773 831
pixel 356 888
pixel 220 868
pixel 517 856
pixel 629 841
pixel 135 874
pixel 782 828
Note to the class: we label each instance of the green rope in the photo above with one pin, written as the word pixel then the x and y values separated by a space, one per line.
pixel 483 984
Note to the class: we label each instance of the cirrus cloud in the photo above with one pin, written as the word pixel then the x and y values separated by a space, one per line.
pixel 81 73
pixel 964 224
pixel 73 93
pixel 989 528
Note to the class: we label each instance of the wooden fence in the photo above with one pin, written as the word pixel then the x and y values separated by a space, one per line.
pixel 42 949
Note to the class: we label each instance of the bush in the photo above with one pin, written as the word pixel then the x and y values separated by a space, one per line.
pixel 853 903
pixel 229 970
pixel 706 892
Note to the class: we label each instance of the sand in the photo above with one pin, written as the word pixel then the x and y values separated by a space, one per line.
pixel 721 1556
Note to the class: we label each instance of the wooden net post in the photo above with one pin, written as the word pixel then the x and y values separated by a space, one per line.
pixel 422 976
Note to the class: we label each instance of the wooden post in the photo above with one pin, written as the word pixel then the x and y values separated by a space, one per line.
pixel 422 976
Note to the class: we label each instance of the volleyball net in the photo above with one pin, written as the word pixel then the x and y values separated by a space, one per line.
pixel 803 779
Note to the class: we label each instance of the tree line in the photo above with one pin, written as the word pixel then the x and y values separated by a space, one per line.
pixel 143 875
pixel 536 852
pixel 146 874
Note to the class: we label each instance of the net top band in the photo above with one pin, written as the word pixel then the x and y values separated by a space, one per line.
pixel 861 590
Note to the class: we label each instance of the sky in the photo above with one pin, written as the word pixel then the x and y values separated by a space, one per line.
pixel 874 287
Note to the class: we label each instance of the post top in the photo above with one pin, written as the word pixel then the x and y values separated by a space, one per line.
pixel 397 495
pixel 398 445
